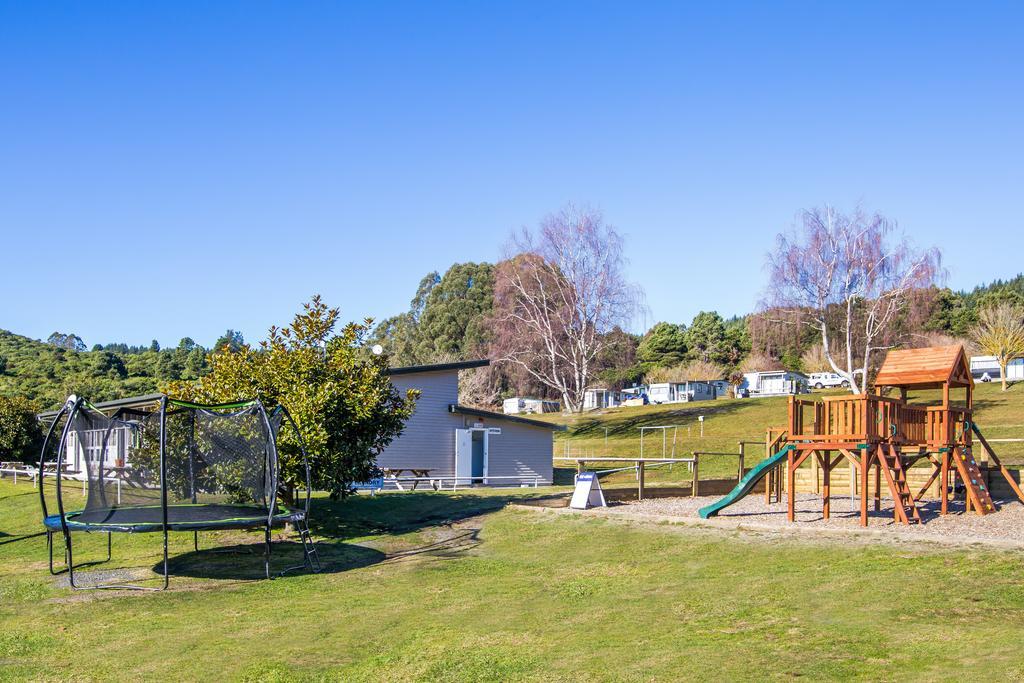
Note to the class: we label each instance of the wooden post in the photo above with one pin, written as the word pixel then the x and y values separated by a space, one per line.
pixel 640 480
pixel 944 493
pixel 865 463
pixel 815 466
pixel 878 485
pixel 740 476
pixel 791 491
pixel 696 476
pixel 779 482
pixel 825 487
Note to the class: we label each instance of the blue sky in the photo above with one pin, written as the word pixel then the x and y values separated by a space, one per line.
pixel 179 169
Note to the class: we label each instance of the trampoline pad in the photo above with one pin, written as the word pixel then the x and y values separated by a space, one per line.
pixel 187 517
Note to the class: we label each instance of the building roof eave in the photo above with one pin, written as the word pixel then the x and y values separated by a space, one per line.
pixel 438 367
pixel 455 408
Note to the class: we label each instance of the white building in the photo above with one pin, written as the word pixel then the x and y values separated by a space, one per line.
pixel 450 440
pixel 680 392
pixel 517 405
pixel 987 365
pixel 595 399
pixel 774 383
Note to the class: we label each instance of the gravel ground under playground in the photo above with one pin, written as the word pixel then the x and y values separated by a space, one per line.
pixel 1004 528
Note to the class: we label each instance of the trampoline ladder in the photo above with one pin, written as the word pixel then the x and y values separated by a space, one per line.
pixel 312 557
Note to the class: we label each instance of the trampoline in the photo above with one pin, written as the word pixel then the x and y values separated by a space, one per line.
pixel 178 466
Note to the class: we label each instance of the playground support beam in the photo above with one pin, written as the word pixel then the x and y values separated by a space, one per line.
pixel 791 486
pixel 878 485
pixel 825 462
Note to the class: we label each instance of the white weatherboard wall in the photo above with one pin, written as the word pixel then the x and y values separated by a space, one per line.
pixel 520 450
pixel 428 440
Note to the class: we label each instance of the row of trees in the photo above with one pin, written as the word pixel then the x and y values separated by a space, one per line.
pixel 842 288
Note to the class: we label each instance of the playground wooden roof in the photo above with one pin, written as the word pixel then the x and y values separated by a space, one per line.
pixel 923 368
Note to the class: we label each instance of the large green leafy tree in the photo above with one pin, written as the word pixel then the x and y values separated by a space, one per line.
pixel 20 432
pixel 70 341
pixel 399 333
pixel 706 338
pixel 339 395
pixel 455 311
pixel 447 318
pixel 663 345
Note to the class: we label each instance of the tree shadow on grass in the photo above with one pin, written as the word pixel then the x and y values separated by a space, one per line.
pixel 242 562
pixel 402 513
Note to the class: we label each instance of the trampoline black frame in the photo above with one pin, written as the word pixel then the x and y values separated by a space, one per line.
pixel 71 408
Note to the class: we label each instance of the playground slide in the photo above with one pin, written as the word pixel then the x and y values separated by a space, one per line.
pixel 746 484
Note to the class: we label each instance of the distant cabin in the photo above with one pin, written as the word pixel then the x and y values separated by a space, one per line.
pixel 455 441
pixel 635 396
pixel 680 392
pixel 988 365
pixel 518 405
pixel 595 399
pixel 722 387
pixel 774 383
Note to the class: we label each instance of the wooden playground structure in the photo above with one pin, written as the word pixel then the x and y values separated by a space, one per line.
pixel 886 435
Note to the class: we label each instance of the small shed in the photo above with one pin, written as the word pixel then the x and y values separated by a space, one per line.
pixel 934 367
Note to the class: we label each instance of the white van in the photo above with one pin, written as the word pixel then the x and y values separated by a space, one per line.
pixel 827 380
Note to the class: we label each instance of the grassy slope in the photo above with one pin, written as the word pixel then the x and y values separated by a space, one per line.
pixel 1000 415
pixel 516 595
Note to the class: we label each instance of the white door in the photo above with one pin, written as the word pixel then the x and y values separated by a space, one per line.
pixel 464 456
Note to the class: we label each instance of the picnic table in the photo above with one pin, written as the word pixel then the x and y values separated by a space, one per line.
pixel 125 473
pixel 416 475
pixel 50 467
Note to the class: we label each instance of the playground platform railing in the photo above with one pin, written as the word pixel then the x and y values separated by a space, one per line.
pixel 869 418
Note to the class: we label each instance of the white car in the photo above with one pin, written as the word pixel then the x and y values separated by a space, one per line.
pixel 827 380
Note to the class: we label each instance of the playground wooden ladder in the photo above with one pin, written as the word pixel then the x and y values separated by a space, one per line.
pixel 891 464
pixel 977 493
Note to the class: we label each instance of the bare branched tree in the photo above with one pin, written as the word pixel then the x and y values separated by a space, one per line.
pixel 1000 333
pixel 558 294
pixel 849 277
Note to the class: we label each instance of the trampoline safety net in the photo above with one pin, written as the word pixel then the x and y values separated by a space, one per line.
pixel 216 462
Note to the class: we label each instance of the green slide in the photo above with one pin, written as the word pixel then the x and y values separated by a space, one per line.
pixel 746 484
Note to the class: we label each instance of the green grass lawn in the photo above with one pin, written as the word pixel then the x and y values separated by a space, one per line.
pixel 616 432
pixel 452 587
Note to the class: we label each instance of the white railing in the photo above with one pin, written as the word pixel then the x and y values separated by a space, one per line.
pixel 32 473
pixel 527 480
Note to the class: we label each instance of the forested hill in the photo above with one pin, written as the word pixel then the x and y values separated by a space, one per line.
pixel 47 373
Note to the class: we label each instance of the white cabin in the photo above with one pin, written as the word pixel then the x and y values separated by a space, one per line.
pixel 518 405
pixel 595 399
pixel 774 383
pixel 988 365
pixel 680 392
